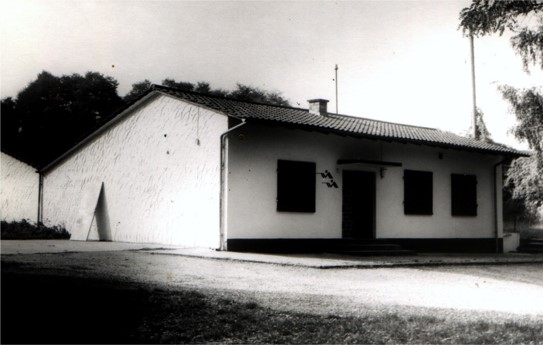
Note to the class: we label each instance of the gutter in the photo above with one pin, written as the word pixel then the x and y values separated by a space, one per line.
pixel 222 227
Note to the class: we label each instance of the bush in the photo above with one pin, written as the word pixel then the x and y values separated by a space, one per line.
pixel 23 230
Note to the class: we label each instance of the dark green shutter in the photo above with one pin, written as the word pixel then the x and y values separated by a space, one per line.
pixel 296 186
pixel 463 195
pixel 418 192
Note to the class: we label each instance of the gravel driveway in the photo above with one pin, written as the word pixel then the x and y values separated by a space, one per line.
pixel 497 292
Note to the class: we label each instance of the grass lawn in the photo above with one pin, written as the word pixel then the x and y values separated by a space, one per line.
pixel 52 309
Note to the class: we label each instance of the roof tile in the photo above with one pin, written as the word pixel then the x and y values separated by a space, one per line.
pixel 341 124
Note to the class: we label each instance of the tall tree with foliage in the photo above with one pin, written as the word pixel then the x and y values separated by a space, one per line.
pixel 53 113
pixel 481 131
pixel 523 19
pixel 138 89
pixel 242 92
pixel 254 94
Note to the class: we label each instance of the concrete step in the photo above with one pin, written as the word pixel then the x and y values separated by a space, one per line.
pixel 397 252
pixel 530 248
pixel 530 245
pixel 368 247
pixel 371 246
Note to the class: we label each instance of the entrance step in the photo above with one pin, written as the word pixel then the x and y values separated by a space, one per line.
pixel 534 246
pixel 402 252
pixel 369 248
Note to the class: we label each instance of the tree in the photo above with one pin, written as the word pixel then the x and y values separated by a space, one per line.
pixel 181 85
pixel 254 94
pixel 242 92
pixel 482 132
pixel 523 190
pixel 53 113
pixel 487 17
pixel 525 175
pixel 137 90
pixel 527 105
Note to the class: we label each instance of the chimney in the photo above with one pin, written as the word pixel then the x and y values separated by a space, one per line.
pixel 318 106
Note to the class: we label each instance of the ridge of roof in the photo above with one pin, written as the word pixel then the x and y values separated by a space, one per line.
pixel 169 89
pixel 156 87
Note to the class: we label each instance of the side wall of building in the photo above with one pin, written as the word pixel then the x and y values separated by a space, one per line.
pixel 152 177
pixel 19 188
pixel 252 186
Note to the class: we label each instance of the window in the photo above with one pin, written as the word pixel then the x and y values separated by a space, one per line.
pixel 463 195
pixel 418 192
pixel 296 186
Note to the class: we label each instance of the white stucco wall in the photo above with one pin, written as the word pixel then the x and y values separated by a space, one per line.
pixel 252 183
pixel 394 224
pixel 160 170
pixel 19 187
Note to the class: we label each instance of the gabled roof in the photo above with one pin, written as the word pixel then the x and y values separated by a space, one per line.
pixel 339 124
pixel 301 118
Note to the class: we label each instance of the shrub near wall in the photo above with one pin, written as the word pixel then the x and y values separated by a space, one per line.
pixel 23 230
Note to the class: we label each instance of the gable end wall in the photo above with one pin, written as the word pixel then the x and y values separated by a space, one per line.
pixel 159 167
pixel 19 188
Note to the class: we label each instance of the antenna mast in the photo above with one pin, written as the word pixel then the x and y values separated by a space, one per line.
pixel 472 51
pixel 336 92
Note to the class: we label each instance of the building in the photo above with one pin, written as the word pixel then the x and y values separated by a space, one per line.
pixel 189 169
pixel 19 189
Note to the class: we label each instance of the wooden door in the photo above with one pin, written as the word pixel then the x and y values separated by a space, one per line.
pixel 358 204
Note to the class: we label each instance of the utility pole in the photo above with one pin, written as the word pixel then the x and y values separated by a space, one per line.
pixel 336 92
pixel 472 51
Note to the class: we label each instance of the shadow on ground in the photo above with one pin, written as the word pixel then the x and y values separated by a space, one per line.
pixel 46 309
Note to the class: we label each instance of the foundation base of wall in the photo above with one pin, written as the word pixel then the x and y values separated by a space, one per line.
pixel 318 245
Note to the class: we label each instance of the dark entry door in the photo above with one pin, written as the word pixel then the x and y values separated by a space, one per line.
pixel 358 204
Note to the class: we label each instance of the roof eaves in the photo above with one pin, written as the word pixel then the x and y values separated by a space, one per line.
pixel 373 136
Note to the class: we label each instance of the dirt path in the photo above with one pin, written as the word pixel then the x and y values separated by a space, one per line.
pixel 496 292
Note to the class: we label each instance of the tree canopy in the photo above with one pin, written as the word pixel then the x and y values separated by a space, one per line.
pixel 523 19
pixel 52 113
pixel 486 17
pixel 137 89
pixel 242 92
pixel 481 131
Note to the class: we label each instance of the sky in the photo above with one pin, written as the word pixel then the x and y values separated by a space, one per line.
pixel 398 60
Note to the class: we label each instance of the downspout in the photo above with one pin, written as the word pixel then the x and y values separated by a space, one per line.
pixel 496 221
pixel 40 197
pixel 222 227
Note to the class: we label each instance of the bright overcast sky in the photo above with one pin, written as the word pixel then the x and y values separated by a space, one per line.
pixel 400 61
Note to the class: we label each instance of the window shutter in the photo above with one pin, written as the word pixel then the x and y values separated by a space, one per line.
pixel 296 186
pixel 463 195
pixel 418 192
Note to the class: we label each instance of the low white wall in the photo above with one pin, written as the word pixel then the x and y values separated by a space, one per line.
pixel 160 170
pixel 252 186
pixel 19 188
pixel 511 242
